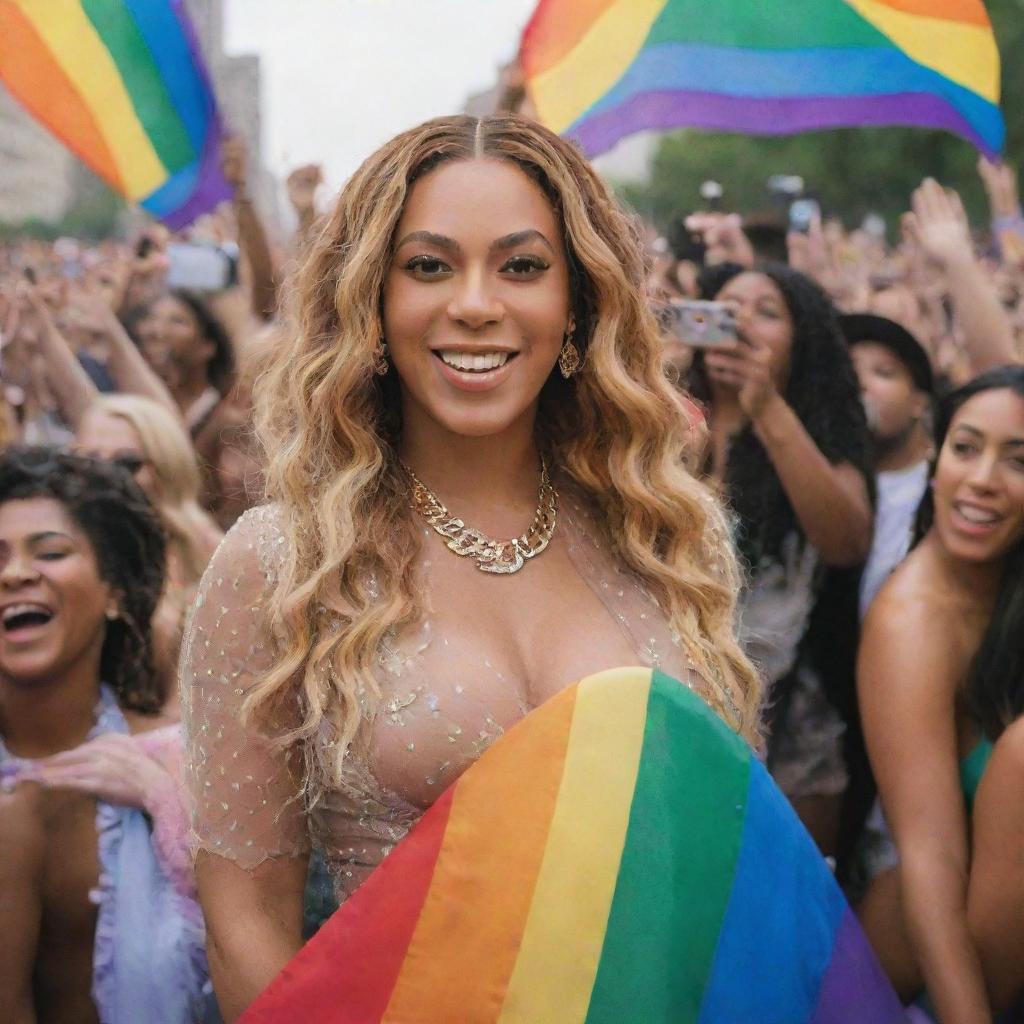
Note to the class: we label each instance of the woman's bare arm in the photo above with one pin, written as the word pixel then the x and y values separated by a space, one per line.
pixel 830 501
pixel 21 855
pixel 907 675
pixel 253 924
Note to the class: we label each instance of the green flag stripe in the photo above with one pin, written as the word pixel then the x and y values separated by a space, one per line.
pixel 754 24
pixel 673 886
pixel 143 82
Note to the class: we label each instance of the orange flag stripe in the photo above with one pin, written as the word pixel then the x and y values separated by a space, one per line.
pixel 969 12
pixel 555 29
pixel 517 811
pixel 36 79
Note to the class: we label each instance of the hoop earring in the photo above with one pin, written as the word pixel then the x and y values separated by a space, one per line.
pixel 380 359
pixel 569 357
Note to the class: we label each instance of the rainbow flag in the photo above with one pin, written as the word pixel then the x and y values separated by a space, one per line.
pixel 123 85
pixel 619 856
pixel 598 70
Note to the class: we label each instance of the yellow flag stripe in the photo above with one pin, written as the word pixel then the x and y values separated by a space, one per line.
pixel 965 54
pixel 595 64
pixel 72 38
pixel 561 945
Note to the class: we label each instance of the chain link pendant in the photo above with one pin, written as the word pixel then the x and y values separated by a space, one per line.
pixel 501 557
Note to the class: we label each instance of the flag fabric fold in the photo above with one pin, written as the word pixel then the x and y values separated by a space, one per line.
pixel 599 70
pixel 123 85
pixel 619 855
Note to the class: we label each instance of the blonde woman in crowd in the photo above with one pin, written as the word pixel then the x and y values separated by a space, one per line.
pixel 151 443
pixel 469 331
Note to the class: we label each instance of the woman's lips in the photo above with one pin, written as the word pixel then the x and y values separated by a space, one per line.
pixel 973 522
pixel 467 380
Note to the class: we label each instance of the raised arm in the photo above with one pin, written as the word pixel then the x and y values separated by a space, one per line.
pixel 132 374
pixel 939 226
pixel 247 816
pixel 68 381
pixel 830 500
pixel 906 681
pixel 252 236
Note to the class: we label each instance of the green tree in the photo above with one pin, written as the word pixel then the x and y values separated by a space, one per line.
pixel 852 171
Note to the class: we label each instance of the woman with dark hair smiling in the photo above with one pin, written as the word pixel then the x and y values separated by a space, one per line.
pixel 941 684
pixel 92 829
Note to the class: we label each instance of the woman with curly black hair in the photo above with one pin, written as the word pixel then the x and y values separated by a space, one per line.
pixel 92 829
pixel 789 446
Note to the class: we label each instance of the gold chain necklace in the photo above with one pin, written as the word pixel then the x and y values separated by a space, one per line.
pixel 497 556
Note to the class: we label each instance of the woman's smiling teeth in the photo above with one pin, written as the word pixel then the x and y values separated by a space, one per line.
pixel 474 362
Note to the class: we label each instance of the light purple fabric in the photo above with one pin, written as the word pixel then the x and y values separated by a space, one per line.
pixel 149 960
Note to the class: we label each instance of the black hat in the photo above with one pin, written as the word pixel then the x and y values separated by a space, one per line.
pixel 861 327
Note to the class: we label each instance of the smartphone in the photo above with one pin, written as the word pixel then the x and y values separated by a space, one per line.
pixel 701 324
pixel 201 268
pixel 802 213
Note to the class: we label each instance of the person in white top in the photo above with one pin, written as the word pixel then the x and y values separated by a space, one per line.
pixel 897 388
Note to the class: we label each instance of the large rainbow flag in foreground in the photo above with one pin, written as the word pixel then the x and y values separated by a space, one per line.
pixel 598 70
pixel 619 857
pixel 123 85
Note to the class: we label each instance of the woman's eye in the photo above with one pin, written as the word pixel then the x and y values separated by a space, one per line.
pixel 523 266
pixel 52 556
pixel 427 266
pixel 962 448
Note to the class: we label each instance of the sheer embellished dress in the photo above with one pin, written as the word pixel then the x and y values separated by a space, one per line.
pixel 444 701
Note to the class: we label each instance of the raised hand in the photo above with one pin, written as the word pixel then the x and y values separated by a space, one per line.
pixel 234 162
pixel 746 368
pixel 1000 181
pixel 302 184
pixel 723 235
pixel 938 225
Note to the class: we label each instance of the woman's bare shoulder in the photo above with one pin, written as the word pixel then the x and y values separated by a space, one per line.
pixel 915 627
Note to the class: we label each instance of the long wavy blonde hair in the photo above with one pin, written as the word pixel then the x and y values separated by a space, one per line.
pixel 192 533
pixel 329 428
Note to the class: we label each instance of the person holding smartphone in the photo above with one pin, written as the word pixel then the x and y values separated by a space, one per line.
pixel 789 448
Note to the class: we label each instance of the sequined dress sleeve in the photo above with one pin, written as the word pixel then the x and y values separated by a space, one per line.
pixel 244 801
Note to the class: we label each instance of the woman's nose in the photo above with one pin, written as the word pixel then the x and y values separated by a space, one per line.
pixel 982 475
pixel 15 569
pixel 474 302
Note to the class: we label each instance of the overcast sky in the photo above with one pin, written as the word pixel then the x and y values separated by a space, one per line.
pixel 340 77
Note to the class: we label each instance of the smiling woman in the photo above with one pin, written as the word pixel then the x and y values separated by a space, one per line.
pixel 90 817
pixel 941 673
pixel 469 332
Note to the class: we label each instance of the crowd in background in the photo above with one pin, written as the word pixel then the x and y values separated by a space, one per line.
pixel 879 392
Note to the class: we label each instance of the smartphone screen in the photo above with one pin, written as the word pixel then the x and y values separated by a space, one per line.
pixel 702 324
pixel 202 268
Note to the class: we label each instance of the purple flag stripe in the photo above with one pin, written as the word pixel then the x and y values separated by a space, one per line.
pixel 661 111
pixel 854 979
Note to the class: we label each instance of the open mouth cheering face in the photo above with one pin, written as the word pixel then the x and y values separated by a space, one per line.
pixel 476 301
pixel 53 601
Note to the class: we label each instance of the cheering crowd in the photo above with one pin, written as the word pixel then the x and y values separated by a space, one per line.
pixel 863 430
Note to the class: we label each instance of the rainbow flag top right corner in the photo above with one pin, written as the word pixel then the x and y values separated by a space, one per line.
pixel 599 70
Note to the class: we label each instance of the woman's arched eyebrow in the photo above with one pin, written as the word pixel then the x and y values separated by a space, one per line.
pixel 518 238
pixel 502 244
pixel 431 238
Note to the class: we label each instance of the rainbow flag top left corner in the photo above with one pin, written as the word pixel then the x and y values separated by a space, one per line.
pixel 599 70
pixel 123 84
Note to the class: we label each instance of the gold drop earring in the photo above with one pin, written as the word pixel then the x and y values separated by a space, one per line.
pixel 569 357
pixel 380 359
